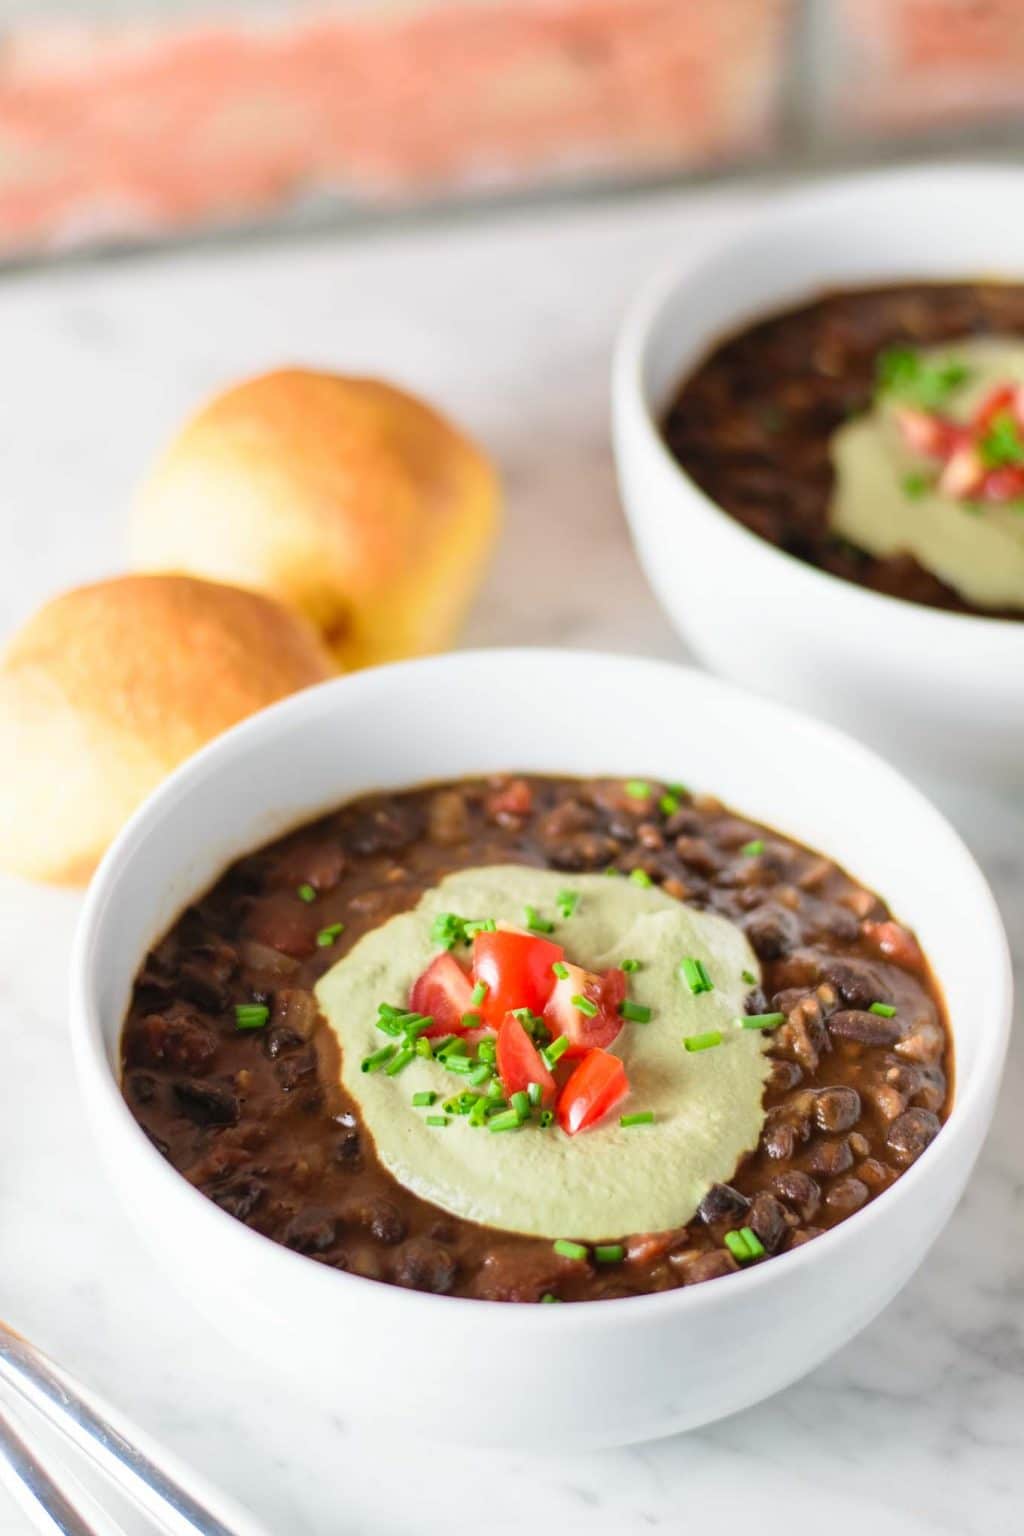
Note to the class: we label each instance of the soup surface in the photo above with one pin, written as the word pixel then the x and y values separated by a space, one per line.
pixel 760 427
pixel 828 1060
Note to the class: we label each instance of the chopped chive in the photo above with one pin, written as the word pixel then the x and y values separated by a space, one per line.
pixel 548 1297
pixel 453 1046
pixel 546 1118
pixel 755 1247
pixel 567 902
pixel 471 1021
pixel 424 1099
pixel 637 789
pixel 760 1020
pixel 560 969
pixel 442 1044
pixel 520 1102
pixel 508 1120
pixel 737 1246
pixel 668 804
pixel 305 892
pixel 461 1064
pixel 487 1051
pixel 536 923
pixel 478 994
pixel 694 973
pixel 678 789
pixel 752 849
pixel 915 484
pixel 612 870
pixel 251 1015
pixel 703 1042
pixel 479 925
pixel 390 1011
pixel 399 1062
pixel 478 1114
pixel 749 978
pixel 609 1253
pixel 436 1120
pixel 567 1250
pixel 524 1015
pixel 884 1010
pixel 535 1093
pixel 328 935
pixel 495 1090
pixel 637 1013
pixel 638 1117
pixel 555 1051
pixel 448 930
pixel 424 1048
pixel 629 966
pixel 378 1058
pixel 459 1104
pixel 640 877
pixel 481 1073
pixel 584 1005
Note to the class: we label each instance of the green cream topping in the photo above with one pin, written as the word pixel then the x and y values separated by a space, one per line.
pixel 609 1180
pixel 884 499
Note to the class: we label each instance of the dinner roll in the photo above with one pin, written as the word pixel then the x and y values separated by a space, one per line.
pixel 347 499
pixel 109 687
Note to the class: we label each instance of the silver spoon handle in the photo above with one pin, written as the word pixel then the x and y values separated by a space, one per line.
pixel 34 1489
pixel 57 1397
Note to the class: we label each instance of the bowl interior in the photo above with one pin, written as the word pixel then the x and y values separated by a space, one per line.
pixel 556 712
pixel 936 224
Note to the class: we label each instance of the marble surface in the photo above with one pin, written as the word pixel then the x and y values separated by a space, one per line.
pixel 917 1427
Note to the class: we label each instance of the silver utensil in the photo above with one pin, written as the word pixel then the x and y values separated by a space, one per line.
pixel 150 1487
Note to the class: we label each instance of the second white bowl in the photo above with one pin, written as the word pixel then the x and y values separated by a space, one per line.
pixel 943 691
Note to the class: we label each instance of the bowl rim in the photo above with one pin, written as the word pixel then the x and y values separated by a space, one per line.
pixel 102 1090
pixel 645 314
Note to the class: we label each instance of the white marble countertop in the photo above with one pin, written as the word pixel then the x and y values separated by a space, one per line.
pixel 917 1427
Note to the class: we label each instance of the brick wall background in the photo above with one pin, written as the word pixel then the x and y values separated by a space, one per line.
pixel 126 120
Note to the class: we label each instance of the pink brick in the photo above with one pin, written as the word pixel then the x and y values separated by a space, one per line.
pixel 135 130
pixel 924 64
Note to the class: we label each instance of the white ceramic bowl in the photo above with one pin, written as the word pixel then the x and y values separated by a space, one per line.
pixel 512 1375
pixel 939 690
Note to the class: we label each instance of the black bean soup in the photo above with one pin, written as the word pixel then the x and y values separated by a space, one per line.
pixel 861 1070
pixel 752 424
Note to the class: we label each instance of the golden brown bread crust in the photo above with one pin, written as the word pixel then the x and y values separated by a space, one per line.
pixel 347 499
pixel 110 686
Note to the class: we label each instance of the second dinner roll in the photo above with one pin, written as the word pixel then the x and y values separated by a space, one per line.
pixel 345 498
pixel 111 686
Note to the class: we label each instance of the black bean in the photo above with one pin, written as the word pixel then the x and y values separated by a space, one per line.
pixel 767 1218
pixel 772 930
pixel 290 1070
pixel 205 1104
pixel 710 1266
pixel 241 1197
pixel 847 1196
pixel 799 1191
pixel 829 1157
pixel 722 1203
pixel 865 1028
pixel 141 1086
pixel 837 1109
pixel 312 1230
pixel 379 1217
pixel 585 850
pixel 277 1041
pixel 348 1151
pixel 911 1132
pixel 198 982
pixel 424 1265
pixel 858 982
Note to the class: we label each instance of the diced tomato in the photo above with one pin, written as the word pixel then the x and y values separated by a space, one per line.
pixel 517 970
pixel 895 943
pixel 513 799
pixel 520 1063
pixel 584 1030
pixel 963 475
pixel 1004 484
pixel 445 992
pixel 929 434
pixel 1001 398
pixel 598 1084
